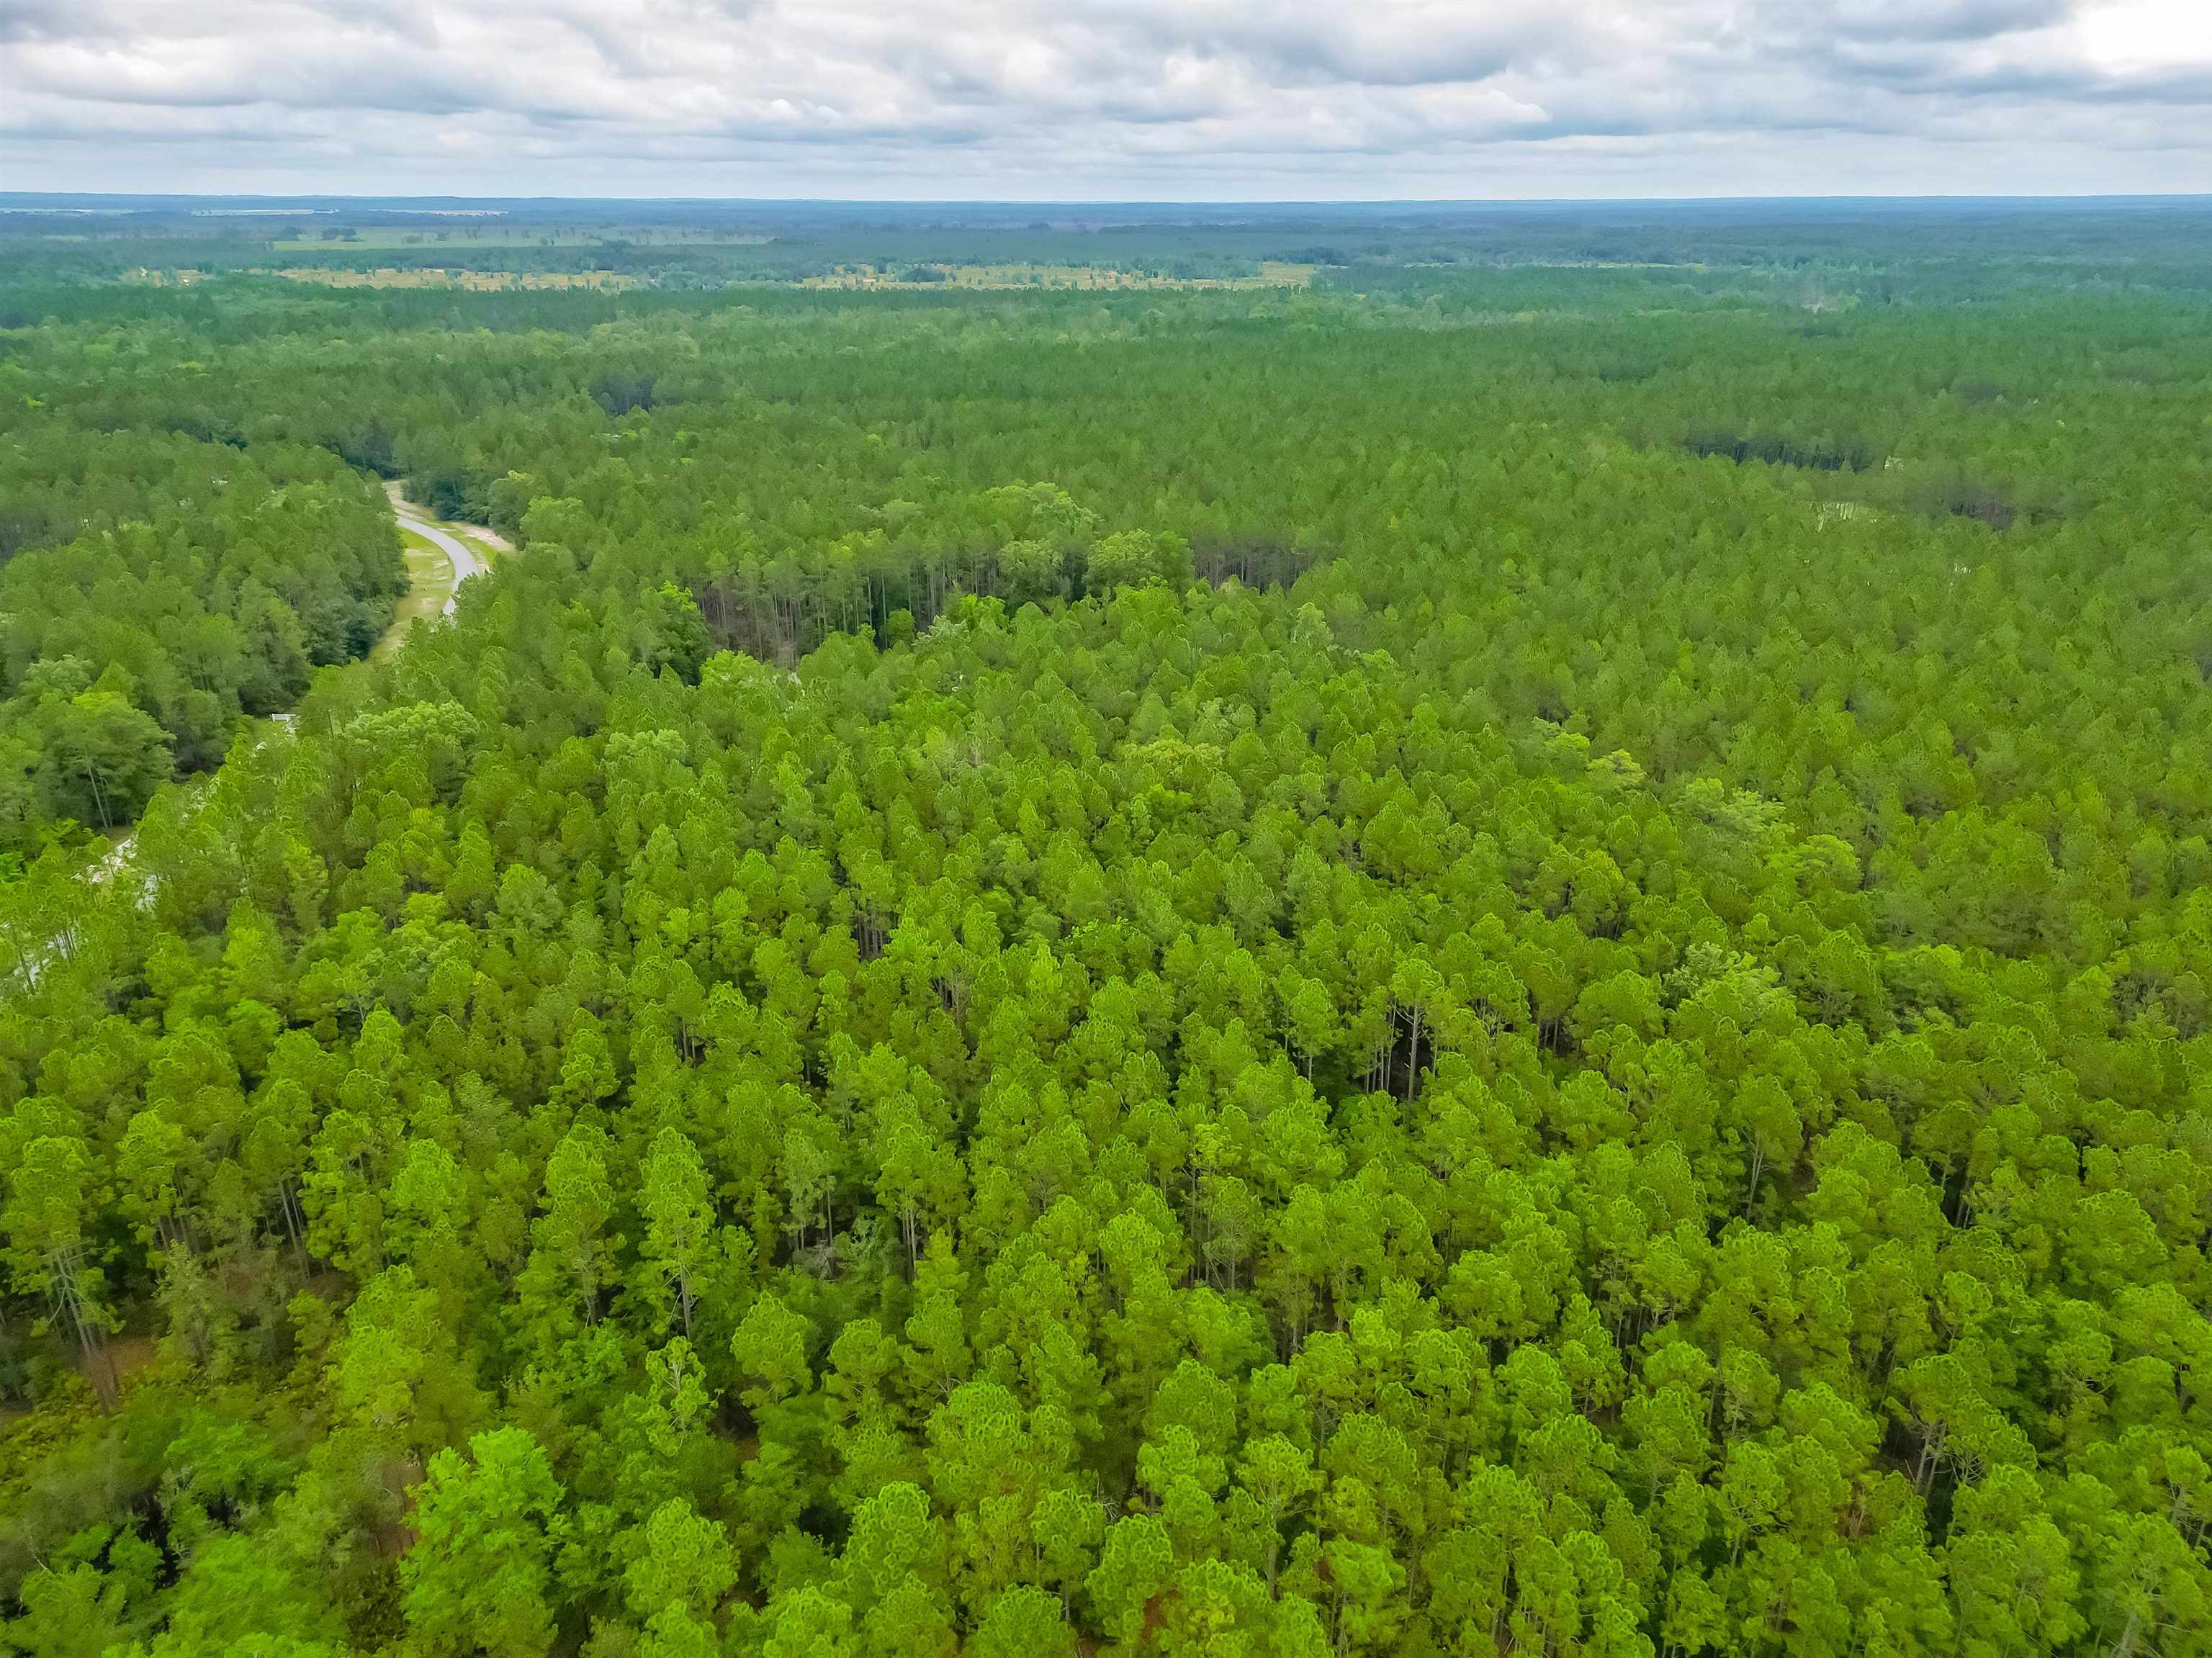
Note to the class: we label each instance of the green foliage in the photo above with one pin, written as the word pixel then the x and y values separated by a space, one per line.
pixel 477 1579
pixel 1194 974
pixel 164 577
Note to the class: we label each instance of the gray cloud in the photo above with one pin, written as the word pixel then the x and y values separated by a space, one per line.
pixel 1146 98
pixel 1946 20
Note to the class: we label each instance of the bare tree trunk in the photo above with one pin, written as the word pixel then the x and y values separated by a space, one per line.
pixel 290 1204
pixel 67 1298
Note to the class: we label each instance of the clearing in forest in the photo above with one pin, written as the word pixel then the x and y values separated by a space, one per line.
pixel 429 589
pixel 1274 273
pixel 481 281
pixel 399 236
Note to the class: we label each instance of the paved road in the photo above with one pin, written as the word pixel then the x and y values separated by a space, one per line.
pixel 466 561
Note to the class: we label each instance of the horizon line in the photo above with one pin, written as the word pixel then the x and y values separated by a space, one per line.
pixel 2189 198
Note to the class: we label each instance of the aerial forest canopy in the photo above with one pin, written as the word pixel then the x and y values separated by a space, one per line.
pixel 1495 954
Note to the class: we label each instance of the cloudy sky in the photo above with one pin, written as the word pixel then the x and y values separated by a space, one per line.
pixel 1153 100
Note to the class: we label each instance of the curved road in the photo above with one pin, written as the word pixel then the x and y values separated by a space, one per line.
pixel 466 559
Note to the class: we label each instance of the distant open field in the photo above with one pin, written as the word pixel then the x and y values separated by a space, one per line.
pixel 1274 273
pixel 403 236
pixel 847 277
pixel 481 281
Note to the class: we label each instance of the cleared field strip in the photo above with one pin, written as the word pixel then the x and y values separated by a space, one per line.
pixel 1272 274
pixel 430 584
pixel 479 282
pixel 463 241
pixel 439 557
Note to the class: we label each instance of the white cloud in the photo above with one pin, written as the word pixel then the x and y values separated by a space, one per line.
pixel 1163 99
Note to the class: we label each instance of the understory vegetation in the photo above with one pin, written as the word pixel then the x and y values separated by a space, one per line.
pixel 1511 962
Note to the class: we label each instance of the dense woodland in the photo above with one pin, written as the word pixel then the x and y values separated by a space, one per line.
pixel 1501 960
pixel 160 584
